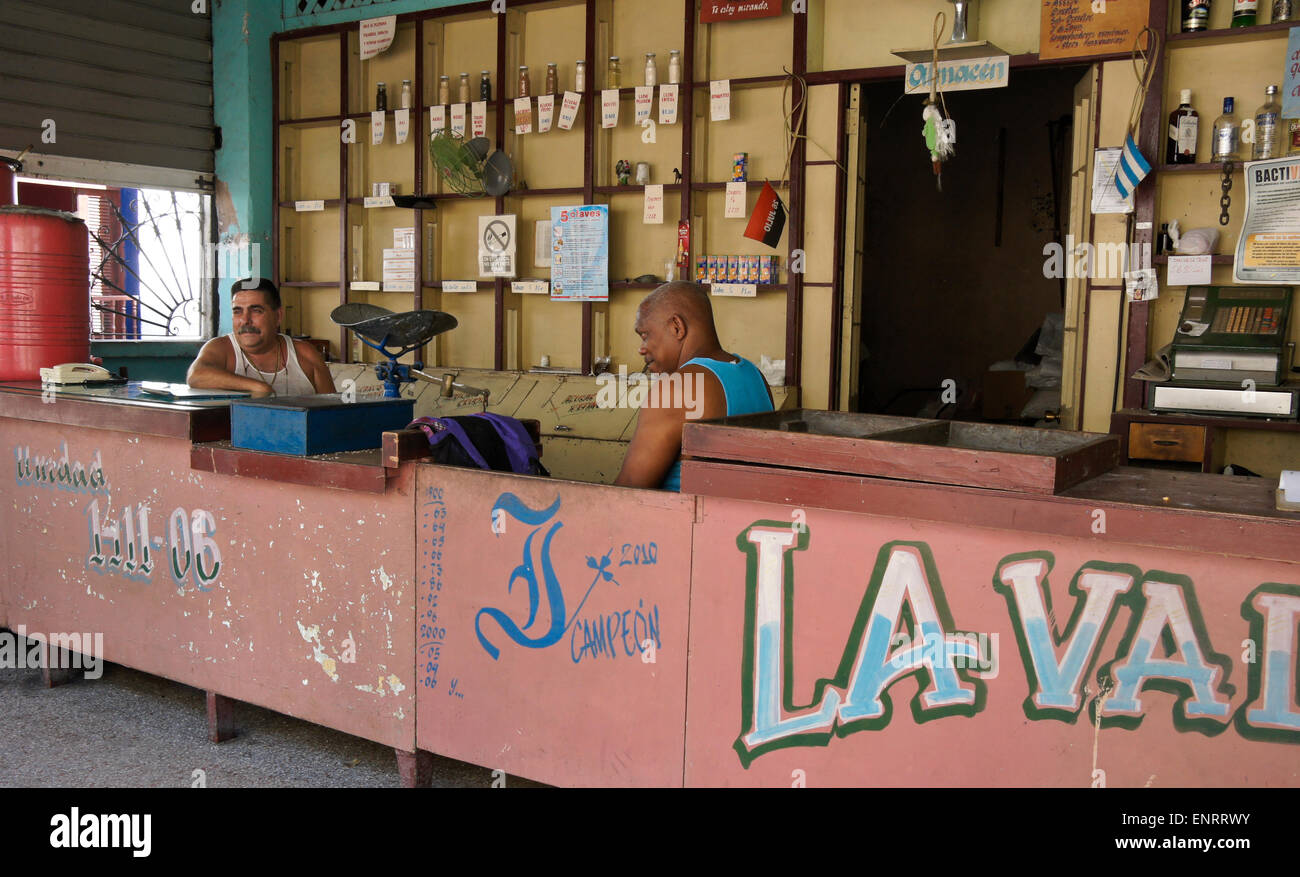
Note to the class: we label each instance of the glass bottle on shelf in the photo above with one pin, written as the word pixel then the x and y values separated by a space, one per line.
pixel 675 67
pixel 381 96
pixel 1184 126
pixel 485 86
pixel 614 76
pixel 651 70
pixel 1196 15
pixel 1244 12
pixel 552 79
pixel 463 94
pixel 406 94
pixel 1266 126
pixel 444 89
pixel 525 87
pixel 1227 134
pixel 580 76
pixel 1282 10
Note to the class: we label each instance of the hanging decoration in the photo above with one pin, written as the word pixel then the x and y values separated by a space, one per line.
pixel 939 130
pixel 1133 165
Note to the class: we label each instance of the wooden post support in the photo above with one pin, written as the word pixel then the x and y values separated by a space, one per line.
pixel 52 675
pixel 415 769
pixel 221 718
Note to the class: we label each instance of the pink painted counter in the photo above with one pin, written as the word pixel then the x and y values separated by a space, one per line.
pixel 298 597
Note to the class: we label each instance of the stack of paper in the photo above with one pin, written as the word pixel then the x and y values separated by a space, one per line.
pixel 399 262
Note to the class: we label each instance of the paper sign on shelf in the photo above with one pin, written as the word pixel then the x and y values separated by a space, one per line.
pixel 308 206
pixel 645 99
pixel 609 108
pixel 545 112
pixel 523 115
pixel 478 118
pixel 458 119
pixel 437 120
pixel 668 105
pixel 459 286
pixel 401 124
pixel 569 109
pixel 496 246
pixel 653 213
pixel 377 35
pixel 542 244
pixel 736 194
pixel 530 287
pixel 735 290
pixel 378 201
pixel 720 100
pixel 376 127
pixel 1189 270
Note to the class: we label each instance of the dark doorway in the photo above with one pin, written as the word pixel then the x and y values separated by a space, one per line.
pixel 953 281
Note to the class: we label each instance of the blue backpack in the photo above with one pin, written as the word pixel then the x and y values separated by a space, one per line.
pixel 483 441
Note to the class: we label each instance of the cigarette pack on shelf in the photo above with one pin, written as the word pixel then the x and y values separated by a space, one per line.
pixel 702 269
pixel 740 167
pixel 404 238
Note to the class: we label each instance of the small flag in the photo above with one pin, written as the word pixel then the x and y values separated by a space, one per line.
pixel 1133 168
pixel 768 219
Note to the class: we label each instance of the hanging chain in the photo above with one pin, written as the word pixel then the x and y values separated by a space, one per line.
pixel 1226 200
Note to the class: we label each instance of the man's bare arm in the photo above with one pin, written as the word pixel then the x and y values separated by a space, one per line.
pixel 211 371
pixel 655 446
pixel 313 364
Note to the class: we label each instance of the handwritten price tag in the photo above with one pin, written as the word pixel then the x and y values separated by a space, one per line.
pixel 609 108
pixel 668 105
pixel 569 109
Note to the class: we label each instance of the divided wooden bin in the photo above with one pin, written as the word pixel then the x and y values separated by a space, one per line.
pixel 1013 458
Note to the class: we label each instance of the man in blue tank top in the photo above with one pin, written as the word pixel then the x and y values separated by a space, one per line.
pixel 681 348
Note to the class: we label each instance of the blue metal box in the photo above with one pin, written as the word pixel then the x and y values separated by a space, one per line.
pixel 307 425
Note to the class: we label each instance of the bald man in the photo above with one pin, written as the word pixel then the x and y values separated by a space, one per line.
pixel 678 338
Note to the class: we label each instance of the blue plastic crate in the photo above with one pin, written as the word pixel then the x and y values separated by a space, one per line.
pixel 309 425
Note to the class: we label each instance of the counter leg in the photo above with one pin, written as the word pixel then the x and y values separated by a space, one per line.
pixel 54 666
pixel 415 769
pixel 221 718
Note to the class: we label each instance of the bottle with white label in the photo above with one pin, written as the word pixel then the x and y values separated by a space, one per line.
pixel 1267 135
pixel 1227 134
pixel 1244 12
pixel 1184 126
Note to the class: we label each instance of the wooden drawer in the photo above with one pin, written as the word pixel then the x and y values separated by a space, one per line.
pixel 1166 441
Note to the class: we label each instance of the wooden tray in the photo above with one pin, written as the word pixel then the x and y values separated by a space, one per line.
pixel 1015 458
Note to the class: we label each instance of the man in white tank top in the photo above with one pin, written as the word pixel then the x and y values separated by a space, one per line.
pixel 255 356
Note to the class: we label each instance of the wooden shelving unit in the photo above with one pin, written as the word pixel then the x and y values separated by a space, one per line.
pixel 322 85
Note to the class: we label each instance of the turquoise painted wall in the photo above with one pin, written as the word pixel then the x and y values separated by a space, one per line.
pixel 241 85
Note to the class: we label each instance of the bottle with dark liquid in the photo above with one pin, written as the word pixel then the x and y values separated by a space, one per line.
pixel 1184 126
pixel 1244 12
pixel 1196 15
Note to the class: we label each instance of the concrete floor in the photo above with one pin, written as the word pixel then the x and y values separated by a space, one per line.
pixel 130 729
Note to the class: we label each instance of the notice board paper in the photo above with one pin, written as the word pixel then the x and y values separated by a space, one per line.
pixel 377 35
pixel 580 253
pixel 1073 28
pixel 1189 270
pixel 720 100
pixel 653 213
pixel 736 193
pixel 1268 249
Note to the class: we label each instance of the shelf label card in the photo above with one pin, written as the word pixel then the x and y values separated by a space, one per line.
pixel 308 206
pixel 736 193
pixel 523 115
pixel 478 118
pixel 1189 271
pixel 545 112
pixel 376 127
pixel 401 124
pixel 378 201
pixel 530 287
pixel 458 119
pixel 668 105
pixel 720 100
pixel 377 35
pixel 437 120
pixel 734 290
pixel 645 99
pixel 459 286
pixel 609 108
pixel 654 205
pixel 569 109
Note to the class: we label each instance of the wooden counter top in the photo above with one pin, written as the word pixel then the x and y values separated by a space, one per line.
pixel 196 422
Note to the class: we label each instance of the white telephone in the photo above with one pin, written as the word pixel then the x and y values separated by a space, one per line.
pixel 76 373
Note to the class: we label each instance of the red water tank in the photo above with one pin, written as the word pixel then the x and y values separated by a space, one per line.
pixel 44 291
